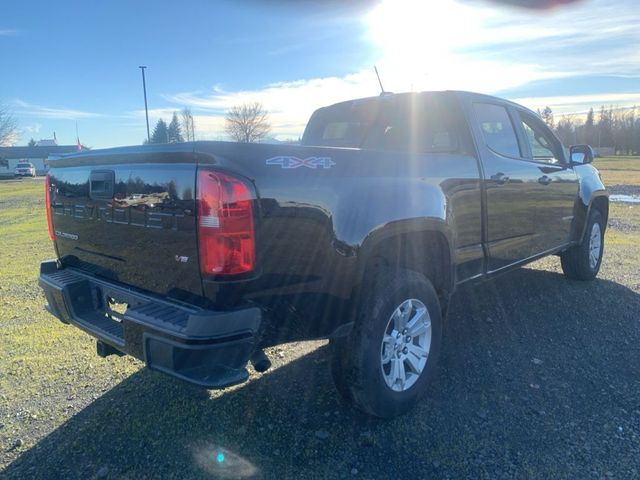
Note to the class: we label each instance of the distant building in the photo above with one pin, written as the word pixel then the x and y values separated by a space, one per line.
pixel 47 142
pixel 37 155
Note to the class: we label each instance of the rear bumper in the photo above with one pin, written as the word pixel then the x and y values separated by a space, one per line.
pixel 204 347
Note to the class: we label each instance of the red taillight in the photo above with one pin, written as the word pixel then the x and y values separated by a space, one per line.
pixel 47 205
pixel 226 236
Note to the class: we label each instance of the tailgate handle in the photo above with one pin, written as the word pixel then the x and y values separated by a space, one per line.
pixel 101 183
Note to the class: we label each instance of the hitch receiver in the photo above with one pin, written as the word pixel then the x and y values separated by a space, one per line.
pixel 104 350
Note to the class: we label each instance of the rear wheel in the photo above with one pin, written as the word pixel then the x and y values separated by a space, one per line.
pixel 582 262
pixel 387 361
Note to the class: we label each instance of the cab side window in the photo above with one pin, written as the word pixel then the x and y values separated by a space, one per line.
pixel 544 146
pixel 497 129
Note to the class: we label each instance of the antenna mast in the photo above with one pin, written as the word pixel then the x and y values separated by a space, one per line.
pixel 382 92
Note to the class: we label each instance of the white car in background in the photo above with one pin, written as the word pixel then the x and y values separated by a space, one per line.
pixel 25 169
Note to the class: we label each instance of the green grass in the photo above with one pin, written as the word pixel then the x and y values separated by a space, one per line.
pixel 619 170
pixel 39 354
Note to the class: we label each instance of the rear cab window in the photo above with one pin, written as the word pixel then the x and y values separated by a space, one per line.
pixel 342 125
pixel 416 123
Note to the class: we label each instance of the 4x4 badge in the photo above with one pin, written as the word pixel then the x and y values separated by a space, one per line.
pixel 295 162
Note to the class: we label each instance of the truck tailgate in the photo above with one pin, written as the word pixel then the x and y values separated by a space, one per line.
pixel 130 218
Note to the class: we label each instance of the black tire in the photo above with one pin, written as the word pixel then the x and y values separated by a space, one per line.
pixel 356 359
pixel 338 348
pixel 575 261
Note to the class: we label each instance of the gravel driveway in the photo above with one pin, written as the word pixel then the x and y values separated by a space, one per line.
pixel 539 379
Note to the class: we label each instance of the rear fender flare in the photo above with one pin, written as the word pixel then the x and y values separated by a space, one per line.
pixel 417 226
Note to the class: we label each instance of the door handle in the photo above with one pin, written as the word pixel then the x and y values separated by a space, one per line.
pixel 101 184
pixel 500 178
pixel 544 180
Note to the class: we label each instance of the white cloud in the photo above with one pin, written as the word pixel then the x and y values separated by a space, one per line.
pixel 454 46
pixel 8 32
pixel 33 128
pixel 290 104
pixel 582 23
pixel 208 127
pixel 154 114
pixel 28 109
pixel 580 103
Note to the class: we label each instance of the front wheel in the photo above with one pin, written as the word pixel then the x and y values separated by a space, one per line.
pixel 390 356
pixel 582 262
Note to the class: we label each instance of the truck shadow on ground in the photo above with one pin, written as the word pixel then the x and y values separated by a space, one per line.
pixel 538 379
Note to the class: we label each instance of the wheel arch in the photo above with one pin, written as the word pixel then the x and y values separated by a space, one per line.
pixel 599 201
pixel 422 245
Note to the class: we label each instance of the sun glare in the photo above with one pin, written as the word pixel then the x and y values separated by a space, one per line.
pixel 421 38
pixel 414 30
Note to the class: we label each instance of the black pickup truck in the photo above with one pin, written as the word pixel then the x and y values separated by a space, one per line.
pixel 194 257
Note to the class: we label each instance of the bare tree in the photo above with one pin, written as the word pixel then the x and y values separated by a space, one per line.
pixel 8 127
pixel 188 125
pixel 247 123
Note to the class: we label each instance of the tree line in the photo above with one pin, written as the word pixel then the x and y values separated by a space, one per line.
pixel 246 123
pixel 176 131
pixel 611 127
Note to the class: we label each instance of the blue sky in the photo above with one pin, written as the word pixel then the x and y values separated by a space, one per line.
pixel 76 61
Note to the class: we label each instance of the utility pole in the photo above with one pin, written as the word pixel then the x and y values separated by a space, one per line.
pixel 146 109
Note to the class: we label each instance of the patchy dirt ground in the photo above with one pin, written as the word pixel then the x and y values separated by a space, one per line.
pixel 538 379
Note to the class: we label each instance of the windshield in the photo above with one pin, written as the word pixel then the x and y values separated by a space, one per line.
pixel 24 165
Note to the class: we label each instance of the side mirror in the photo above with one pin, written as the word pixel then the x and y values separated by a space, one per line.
pixel 581 154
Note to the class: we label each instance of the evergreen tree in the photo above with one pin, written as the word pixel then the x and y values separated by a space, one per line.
pixel 174 132
pixel 160 133
pixel 605 136
pixel 589 128
pixel 636 135
pixel 566 130
pixel 32 143
pixel 547 116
